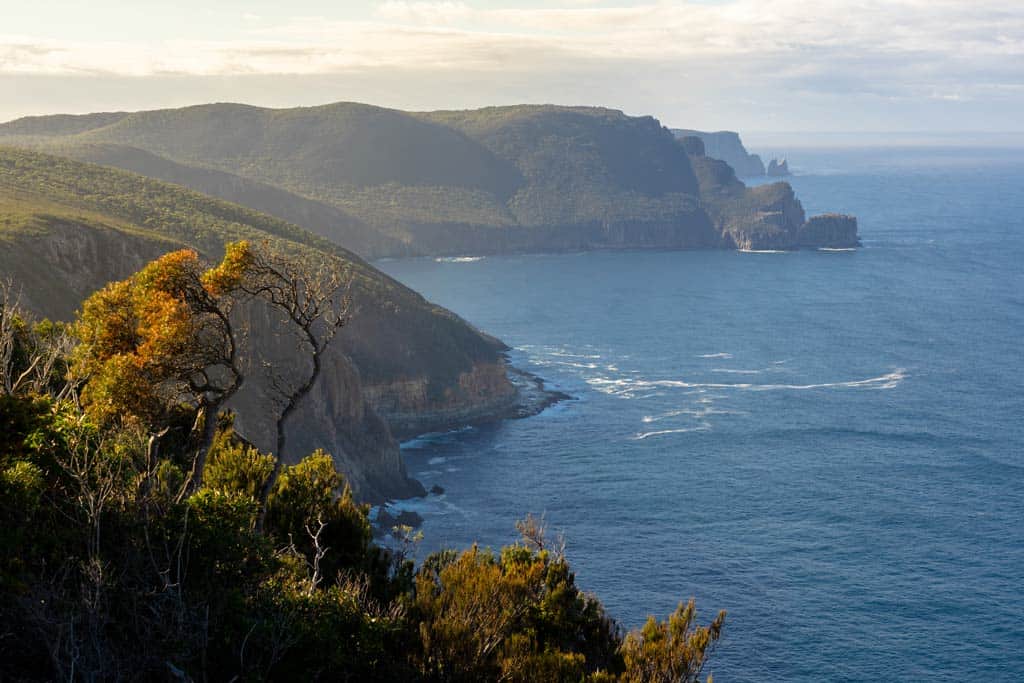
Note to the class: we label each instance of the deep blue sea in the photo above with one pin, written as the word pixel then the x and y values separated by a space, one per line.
pixel 829 445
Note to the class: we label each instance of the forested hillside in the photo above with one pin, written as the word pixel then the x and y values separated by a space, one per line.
pixel 389 183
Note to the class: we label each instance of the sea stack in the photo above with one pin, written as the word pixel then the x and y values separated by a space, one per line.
pixel 778 168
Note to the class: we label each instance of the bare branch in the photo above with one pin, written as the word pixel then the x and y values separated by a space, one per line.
pixel 313 299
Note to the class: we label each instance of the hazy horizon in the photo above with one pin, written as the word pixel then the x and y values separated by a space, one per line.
pixel 775 67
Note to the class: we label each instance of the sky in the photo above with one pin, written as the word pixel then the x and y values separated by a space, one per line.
pixel 903 66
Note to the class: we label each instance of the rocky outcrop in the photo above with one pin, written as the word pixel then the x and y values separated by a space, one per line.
pixel 766 217
pixel 727 146
pixel 693 145
pixel 778 168
pixel 60 260
pixel 419 404
pixel 772 222
pixel 830 230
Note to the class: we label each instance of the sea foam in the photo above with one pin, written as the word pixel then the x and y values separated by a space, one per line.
pixel 459 259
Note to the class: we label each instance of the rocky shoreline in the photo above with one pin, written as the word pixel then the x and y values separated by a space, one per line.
pixel 532 397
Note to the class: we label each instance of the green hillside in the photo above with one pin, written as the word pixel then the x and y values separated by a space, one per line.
pixel 45 198
pixel 339 144
pixel 318 217
pixel 389 183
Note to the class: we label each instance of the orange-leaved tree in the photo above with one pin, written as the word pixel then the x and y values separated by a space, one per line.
pixel 162 338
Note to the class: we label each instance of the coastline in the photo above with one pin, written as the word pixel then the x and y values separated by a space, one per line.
pixel 532 397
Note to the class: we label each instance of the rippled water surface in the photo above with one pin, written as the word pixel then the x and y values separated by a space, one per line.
pixel 829 445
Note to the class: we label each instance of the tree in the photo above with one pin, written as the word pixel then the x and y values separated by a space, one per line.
pixel 168 336
pixel 110 571
pixel 162 337
pixel 32 356
pixel 313 299
pixel 672 651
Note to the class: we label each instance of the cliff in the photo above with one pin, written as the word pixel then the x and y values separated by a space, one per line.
pixel 67 228
pixel 727 146
pixel 830 230
pixel 778 168
pixel 766 216
pixel 389 183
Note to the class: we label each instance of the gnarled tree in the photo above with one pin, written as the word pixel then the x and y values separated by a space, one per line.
pixel 164 337
pixel 312 298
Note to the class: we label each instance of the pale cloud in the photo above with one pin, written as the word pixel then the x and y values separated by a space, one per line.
pixel 740 51
pixel 431 34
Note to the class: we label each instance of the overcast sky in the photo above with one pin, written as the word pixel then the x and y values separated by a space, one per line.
pixel 750 65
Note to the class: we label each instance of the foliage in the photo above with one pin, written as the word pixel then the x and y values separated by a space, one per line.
pixel 113 569
pixel 676 650
pixel 235 465
pixel 157 337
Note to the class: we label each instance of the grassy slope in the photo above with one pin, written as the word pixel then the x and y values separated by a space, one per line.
pixel 396 333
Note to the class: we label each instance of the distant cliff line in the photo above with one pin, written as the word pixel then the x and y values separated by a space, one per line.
pixel 727 146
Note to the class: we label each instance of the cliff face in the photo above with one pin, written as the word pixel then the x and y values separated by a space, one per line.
pixel 336 416
pixel 727 146
pixel 56 261
pixel 766 216
pixel 773 223
pixel 832 230
pixel 419 405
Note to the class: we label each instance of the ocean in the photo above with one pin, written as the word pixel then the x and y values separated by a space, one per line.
pixel 828 445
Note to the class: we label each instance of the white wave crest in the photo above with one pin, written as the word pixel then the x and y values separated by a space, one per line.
pixel 566 354
pixel 762 251
pixel 640 436
pixel 731 371
pixel 690 412
pixel 459 259
pixel 837 248
pixel 887 381
pixel 571 364
pixel 627 388
pixel 715 355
